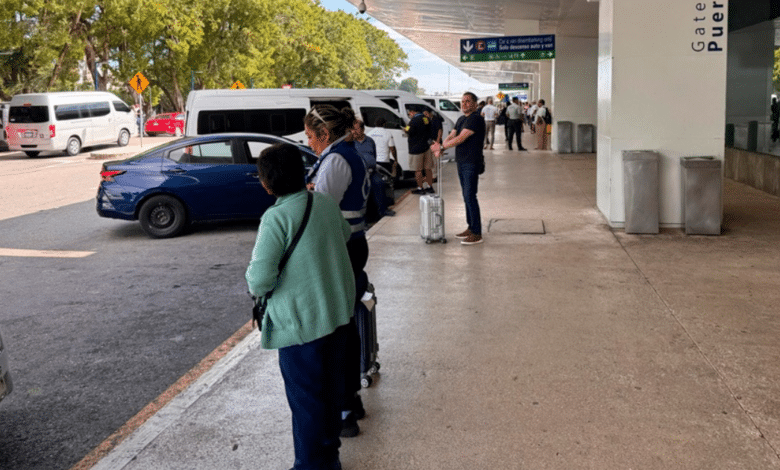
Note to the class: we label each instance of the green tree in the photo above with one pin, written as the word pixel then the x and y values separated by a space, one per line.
pixel 410 85
pixel 776 71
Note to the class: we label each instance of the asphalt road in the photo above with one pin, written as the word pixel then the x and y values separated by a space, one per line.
pixel 101 326
pixel 92 340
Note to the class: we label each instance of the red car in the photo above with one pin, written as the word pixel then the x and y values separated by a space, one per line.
pixel 168 123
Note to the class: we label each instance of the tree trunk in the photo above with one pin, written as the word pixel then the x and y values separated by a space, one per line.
pixel 178 98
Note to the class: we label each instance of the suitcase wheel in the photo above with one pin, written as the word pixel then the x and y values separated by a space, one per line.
pixel 374 369
pixel 444 240
pixel 366 381
pixel 427 241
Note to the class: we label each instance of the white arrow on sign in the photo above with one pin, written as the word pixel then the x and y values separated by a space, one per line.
pixel 468 47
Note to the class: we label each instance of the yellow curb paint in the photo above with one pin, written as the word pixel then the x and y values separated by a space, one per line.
pixel 44 253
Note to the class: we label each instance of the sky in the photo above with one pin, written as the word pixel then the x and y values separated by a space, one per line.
pixel 430 71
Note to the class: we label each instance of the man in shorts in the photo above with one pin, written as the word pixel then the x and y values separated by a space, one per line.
pixel 420 155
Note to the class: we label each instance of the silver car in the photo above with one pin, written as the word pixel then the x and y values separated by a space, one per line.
pixel 5 375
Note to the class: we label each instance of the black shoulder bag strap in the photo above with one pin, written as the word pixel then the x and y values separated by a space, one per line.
pixel 258 311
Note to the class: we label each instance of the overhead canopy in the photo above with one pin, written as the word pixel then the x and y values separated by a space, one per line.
pixel 439 25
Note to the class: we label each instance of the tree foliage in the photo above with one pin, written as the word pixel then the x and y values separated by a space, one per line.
pixel 52 46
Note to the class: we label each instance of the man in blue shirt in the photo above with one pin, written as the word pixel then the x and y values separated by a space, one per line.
pixel 366 147
pixel 467 138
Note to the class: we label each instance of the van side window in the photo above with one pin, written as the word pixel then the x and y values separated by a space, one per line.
pixel 447 105
pixel 280 122
pixel 121 107
pixel 212 153
pixel 99 109
pixel 393 103
pixel 65 112
pixel 28 114
pixel 371 115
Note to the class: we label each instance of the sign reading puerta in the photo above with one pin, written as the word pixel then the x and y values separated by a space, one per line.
pixel 709 23
pixel 508 48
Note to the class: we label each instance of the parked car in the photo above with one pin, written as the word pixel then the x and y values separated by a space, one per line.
pixel 6 386
pixel 168 123
pixel 192 179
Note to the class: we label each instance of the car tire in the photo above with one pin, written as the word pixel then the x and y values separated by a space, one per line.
pixel 32 153
pixel 74 146
pixel 124 138
pixel 163 216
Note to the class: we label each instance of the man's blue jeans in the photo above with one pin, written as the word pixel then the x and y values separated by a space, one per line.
pixel 468 173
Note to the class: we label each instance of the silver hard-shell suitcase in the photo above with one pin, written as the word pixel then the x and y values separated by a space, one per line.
pixel 432 214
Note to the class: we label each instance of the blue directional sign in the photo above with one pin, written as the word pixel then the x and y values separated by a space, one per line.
pixel 540 47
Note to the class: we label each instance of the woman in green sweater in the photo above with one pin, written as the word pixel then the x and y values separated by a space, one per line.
pixel 313 299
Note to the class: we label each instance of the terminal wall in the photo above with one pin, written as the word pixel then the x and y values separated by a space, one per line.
pixel 575 69
pixel 661 87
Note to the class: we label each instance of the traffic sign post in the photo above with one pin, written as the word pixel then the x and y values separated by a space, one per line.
pixel 540 47
pixel 139 84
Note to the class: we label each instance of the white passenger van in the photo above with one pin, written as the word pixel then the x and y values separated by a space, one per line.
pixel 281 112
pixel 444 106
pixel 401 101
pixel 69 120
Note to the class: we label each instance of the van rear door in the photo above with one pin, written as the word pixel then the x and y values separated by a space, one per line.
pixel 28 126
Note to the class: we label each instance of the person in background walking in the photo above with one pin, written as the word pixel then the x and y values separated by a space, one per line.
pixel 541 117
pixel 490 113
pixel 514 114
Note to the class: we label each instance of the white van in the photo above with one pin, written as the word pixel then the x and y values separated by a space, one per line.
pixel 444 106
pixel 401 101
pixel 69 120
pixel 281 112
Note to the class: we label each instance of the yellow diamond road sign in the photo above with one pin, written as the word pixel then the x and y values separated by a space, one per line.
pixel 500 96
pixel 237 85
pixel 139 82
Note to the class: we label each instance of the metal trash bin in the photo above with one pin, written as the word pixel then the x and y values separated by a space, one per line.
pixel 702 195
pixel 640 190
pixel 565 136
pixel 585 138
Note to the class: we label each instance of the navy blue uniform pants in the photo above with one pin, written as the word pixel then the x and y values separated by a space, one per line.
pixel 314 378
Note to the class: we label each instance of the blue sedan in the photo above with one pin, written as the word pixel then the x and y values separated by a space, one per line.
pixel 192 179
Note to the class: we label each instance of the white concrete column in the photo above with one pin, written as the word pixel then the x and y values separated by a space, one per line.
pixel 661 87
pixel 575 81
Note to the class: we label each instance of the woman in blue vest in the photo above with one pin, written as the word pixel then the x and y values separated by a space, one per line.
pixel 341 173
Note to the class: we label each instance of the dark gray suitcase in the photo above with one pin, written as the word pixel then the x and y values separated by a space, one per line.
pixel 365 318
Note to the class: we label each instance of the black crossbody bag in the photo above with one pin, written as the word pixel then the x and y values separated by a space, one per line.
pixel 258 311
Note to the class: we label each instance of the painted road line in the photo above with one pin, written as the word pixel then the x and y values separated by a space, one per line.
pixel 44 253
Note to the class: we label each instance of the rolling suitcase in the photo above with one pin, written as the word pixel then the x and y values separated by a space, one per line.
pixel 365 318
pixel 432 214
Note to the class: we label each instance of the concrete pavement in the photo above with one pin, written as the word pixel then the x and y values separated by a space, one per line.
pixel 557 344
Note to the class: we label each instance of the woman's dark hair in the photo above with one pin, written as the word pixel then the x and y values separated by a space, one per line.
pixel 325 116
pixel 280 167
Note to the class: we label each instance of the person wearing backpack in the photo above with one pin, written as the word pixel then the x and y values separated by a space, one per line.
pixel 543 117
